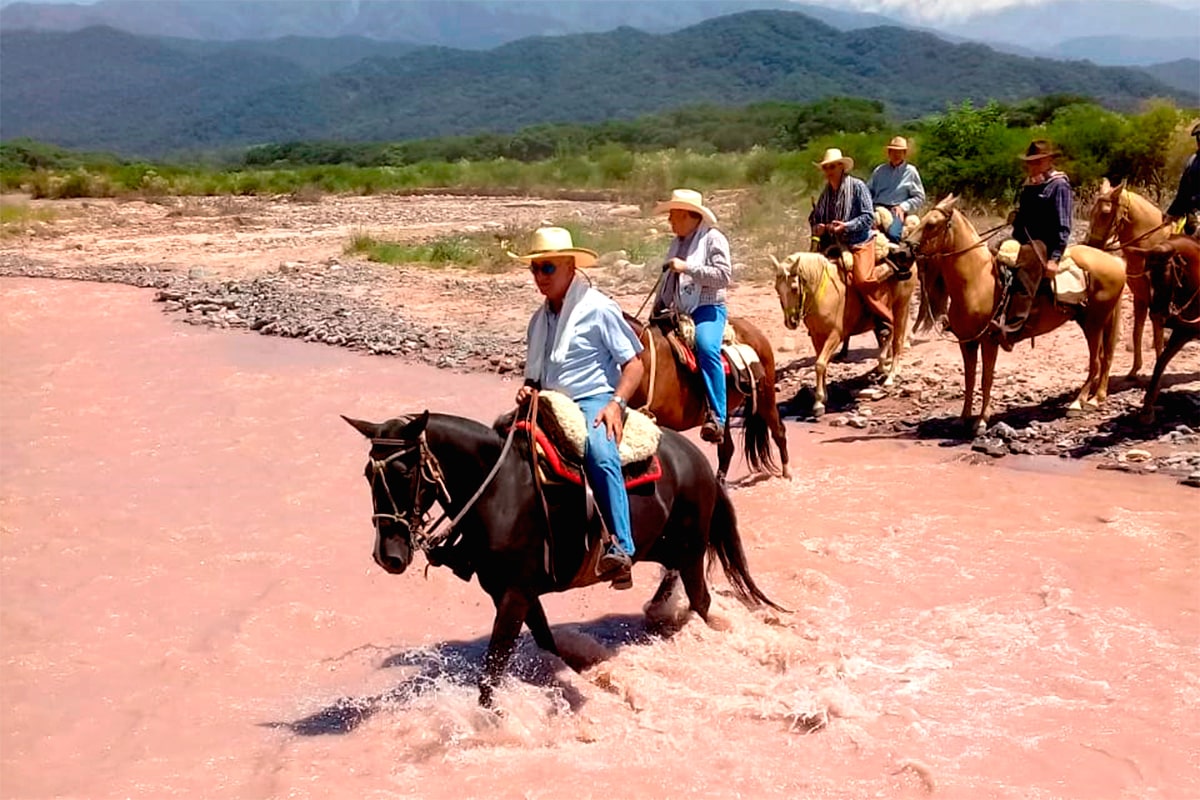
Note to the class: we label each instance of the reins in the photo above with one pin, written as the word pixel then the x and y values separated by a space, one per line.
pixel 428 470
pixel 982 241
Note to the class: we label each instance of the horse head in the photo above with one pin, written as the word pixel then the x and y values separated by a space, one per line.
pixel 797 279
pixel 405 479
pixel 930 233
pixel 1106 215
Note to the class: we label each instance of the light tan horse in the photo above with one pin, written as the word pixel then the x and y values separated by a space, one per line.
pixel 811 288
pixel 958 260
pixel 1119 220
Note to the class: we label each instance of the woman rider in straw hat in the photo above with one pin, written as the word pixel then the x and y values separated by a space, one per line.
pixel 580 345
pixel 700 270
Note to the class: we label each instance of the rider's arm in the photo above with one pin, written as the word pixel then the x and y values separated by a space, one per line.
pixel 916 190
pixel 1063 202
pixel 862 214
pixel 631 377
pixel 716 269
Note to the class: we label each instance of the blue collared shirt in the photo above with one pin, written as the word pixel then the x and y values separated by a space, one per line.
pixel 602 344
pixel 897 186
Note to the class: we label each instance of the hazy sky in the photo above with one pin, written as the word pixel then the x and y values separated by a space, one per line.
pixel 921 9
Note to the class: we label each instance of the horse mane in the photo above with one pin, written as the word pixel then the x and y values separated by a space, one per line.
pixel 809 267
pixel 1139 203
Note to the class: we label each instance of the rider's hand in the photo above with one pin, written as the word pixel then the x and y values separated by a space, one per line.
pixel 1051 268
pixel 898 213
pixel 523 395
pixel 677 264
pixel 837 226
pixel 611 417
pixel 819 229
pixel 1011 218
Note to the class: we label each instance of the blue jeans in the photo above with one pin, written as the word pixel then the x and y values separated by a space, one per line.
pixel 602 461
pixel 897 228
pixel 710 329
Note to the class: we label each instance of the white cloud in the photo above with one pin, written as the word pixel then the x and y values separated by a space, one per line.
pixel 953 10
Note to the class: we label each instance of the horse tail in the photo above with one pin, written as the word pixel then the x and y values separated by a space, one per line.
pixel 726 544
pixel 756 437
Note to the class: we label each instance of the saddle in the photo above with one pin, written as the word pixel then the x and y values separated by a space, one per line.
pixel 559 436
pixel 1069 286
pixel 892 261
pixel 743 368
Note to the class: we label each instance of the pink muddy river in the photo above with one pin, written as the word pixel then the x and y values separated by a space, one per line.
pixel 190 609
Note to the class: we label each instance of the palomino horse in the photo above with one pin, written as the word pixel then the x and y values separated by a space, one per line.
pixel 811 288
pixel 1174 271
pixel 499 526
pixel 675 397
pixel 958 260
pixel 1119 220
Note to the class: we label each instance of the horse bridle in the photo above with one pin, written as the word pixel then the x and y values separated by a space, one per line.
pixel 1120 217
pixel 426 474
pixel 945 229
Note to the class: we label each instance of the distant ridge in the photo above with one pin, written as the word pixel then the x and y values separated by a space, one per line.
pixel 103 89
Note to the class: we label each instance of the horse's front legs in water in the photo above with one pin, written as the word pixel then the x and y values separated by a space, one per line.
pixel 970 357
pixel 512 608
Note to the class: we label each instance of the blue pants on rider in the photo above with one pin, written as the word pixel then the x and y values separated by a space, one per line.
pixel 895 230
pixel 602 460
pixel 710 330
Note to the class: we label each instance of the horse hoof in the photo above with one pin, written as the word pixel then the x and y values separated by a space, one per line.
pixel 980 427
pixel 890 380
pixel 818 409
pixel 1074 410
pixel 787 473
pixel 1092 404
pixel 1146 417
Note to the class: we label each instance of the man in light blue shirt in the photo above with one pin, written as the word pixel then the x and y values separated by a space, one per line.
pixel 897 186
pixel 581 346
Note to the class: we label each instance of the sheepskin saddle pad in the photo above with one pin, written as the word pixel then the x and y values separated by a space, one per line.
pixel 1070 284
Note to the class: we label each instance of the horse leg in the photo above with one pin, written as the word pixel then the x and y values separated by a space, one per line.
pixel 778 431
pixel 724 452
pixel 1179 337
pixel 1140 306
pixel 990 348
pixel 695 584
pixel 825 351
pixel 970 356
pixel 539 626
pixel 1093 333
pixel 899 336
pixel 511 610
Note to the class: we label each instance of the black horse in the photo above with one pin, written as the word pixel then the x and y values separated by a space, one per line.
pixel 500 524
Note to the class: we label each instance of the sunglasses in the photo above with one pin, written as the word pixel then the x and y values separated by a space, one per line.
pixel 543 267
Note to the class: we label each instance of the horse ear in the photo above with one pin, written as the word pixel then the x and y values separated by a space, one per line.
pixel 778 267
pixel 416 426
pixel 1116 190
pixel 368 429
pixel 947 202
pixel 1105 186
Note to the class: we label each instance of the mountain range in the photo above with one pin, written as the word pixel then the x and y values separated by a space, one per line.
pixel 105 89
pixel 1112 32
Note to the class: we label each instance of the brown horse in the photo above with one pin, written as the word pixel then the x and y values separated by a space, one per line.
pixel 675 396
pixel 1119 220
pixel 958 260
pixel 1173 268
pixel 812 289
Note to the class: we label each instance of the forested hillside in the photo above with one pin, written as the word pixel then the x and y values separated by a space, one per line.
pixel 101 89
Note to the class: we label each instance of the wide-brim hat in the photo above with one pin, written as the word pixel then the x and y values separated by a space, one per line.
pixel 547 242
pixel 1196 129
pixel 898 143
pixel 687 200
pixel 1039 148
pixel 834 156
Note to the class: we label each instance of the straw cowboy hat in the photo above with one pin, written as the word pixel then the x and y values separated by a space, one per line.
pixel 687 200
pixel 1039 148
pixel 898 143
pixel 834 156
pixel 555 242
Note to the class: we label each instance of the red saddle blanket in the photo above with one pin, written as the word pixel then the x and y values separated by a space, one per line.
pixel 553 460
pixel 686 356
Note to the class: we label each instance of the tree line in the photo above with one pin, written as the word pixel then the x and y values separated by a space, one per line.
pixel 967 149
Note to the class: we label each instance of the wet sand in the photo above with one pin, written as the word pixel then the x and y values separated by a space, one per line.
pixel 188 606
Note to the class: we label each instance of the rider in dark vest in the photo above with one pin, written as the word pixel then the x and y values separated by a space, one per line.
pixel 1186 205
pixel 1042 224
